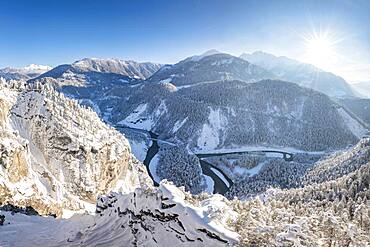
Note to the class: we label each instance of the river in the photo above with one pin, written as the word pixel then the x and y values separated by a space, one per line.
pixel 219 185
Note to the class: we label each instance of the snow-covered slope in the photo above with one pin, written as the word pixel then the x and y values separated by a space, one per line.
pixel 357 128
pixel 57 155
pixel 359 107
pixel 164 216
pixel 303 74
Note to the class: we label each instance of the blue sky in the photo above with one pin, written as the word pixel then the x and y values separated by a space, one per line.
pixel 56 32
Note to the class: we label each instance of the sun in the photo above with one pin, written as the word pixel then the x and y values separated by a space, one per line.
pixel 320 49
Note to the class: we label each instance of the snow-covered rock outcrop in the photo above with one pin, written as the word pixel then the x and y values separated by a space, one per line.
pixel 58 155
pixel 164 216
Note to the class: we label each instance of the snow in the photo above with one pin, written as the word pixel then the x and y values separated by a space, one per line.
pixel 211 214
pixel 139 149
pixel 35 68
pixel 209 138
pixel 39 231
pixel 222 62
pixel 209 184
pixel 28 70
pixel 90 103
pixel 197 58
pixel 168 80
pixel 197 84
pixel 276 155
pixel 238 172
pixel 153 168
pixel 221 176
pixel 202 215
pixel 137 119
pixel 255 148
pixel 354 126
pixel 179 124
pixel 186 86
pixel 253 171
pixel 162 109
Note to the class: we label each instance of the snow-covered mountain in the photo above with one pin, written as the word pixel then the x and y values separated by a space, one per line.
pixel 303 74
pixel 57 156
pixel 93 70
pixel 28 72
pixel 205 113
pixel 36 69
pixel 129 68
pixel 212 66
pixel 227 114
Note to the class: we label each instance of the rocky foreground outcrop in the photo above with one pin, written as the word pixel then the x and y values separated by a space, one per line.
pixel 56 155
pixel 163 216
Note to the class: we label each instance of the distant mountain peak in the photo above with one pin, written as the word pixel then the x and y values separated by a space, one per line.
pixel 210 52
pixel 36 68
pixel 205 54
pixel 24 73
pixel 102 70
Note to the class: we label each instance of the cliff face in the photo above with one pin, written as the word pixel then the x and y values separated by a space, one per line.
pixel 56 153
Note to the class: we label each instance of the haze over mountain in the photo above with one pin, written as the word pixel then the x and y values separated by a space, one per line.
pixel 362 88
pixel 303 74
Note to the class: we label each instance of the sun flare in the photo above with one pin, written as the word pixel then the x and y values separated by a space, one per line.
pixel 320 49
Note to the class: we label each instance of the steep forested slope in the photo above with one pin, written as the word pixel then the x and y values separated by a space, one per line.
pixel 233 113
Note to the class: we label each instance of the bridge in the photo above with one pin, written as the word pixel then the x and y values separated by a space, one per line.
pixel 154 137
pixel 286 155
